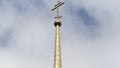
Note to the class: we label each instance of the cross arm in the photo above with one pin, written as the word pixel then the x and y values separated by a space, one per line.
pixel 58 5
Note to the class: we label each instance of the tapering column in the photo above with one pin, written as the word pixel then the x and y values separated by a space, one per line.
pixel 57 53
pixel 57 24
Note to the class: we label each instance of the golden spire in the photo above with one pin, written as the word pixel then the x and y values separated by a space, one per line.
pixel 57 24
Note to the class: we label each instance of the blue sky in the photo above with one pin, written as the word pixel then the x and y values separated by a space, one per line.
pixel 90 33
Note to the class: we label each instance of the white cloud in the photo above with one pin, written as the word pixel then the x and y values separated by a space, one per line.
pixel 31 42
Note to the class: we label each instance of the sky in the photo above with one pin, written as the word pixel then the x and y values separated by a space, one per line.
pixel 90 35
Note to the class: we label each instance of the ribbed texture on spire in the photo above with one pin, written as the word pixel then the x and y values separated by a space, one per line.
pixel 57 54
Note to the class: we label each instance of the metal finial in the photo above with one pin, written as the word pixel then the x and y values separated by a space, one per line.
pixel 57 23
pixel 57 8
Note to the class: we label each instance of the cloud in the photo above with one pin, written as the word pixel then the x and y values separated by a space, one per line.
pixel 24 35
pixel 90 34
pixel 100 48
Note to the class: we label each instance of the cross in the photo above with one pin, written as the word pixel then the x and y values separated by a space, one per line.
pixel 57 8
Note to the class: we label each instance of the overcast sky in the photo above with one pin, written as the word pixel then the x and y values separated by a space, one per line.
pixel 90 33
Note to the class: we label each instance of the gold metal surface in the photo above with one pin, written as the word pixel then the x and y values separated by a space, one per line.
pixel 57 23
pixel 57 54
